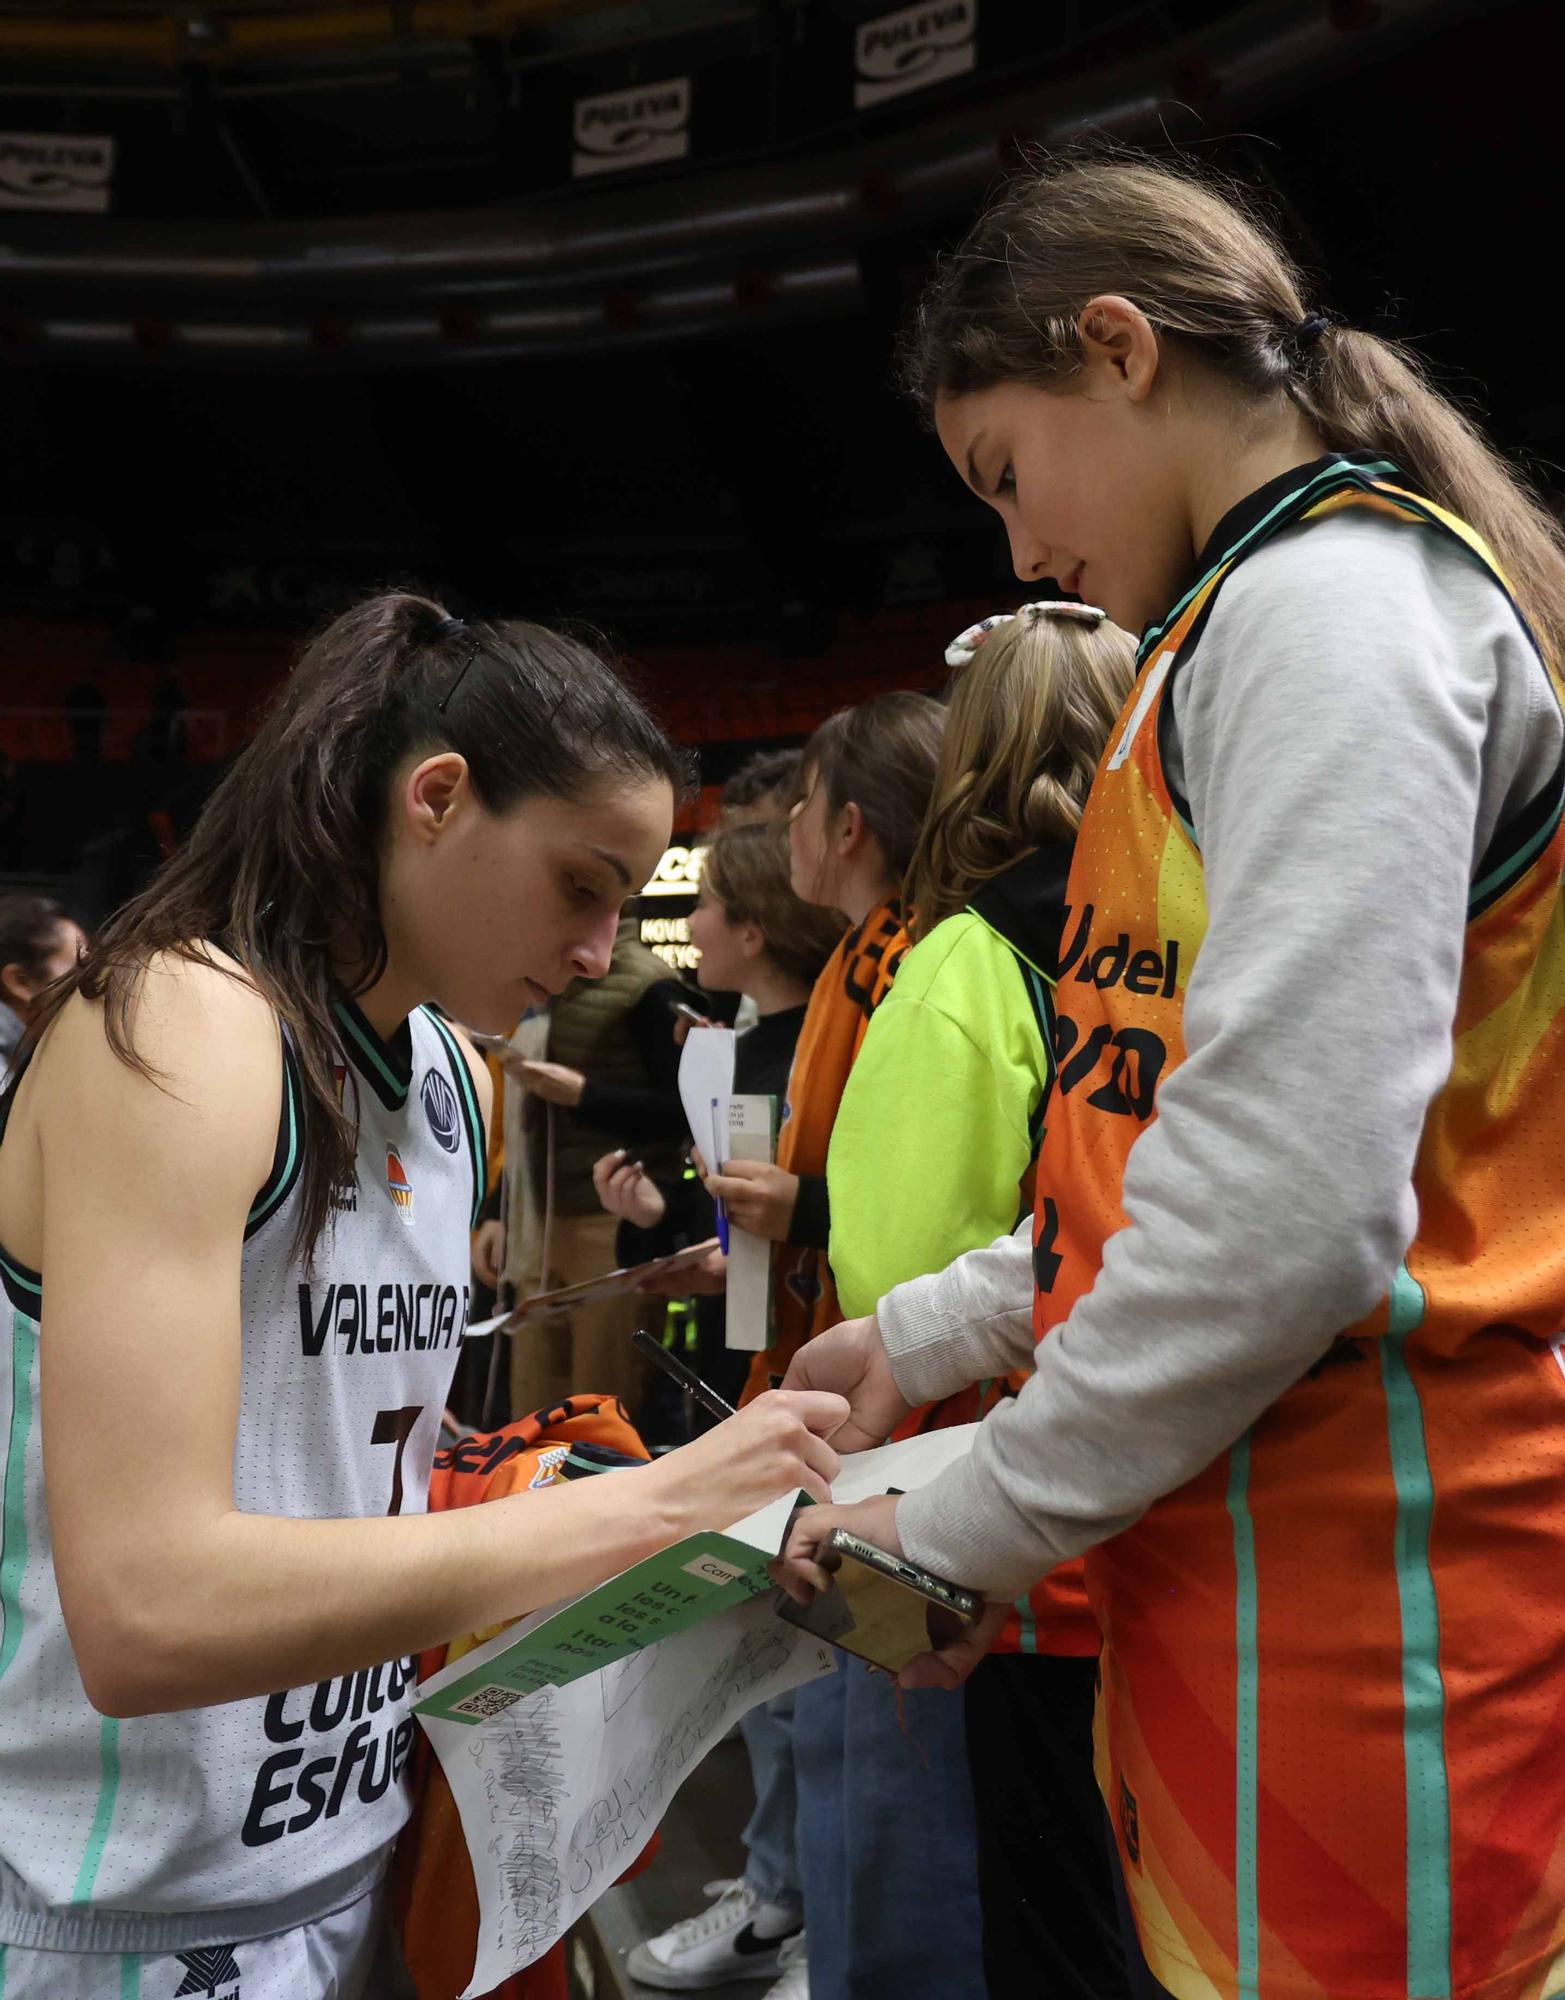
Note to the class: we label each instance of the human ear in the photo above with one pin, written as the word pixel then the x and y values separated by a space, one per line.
pixel 1120 352
pixel 752 940
pixel 851 831
pixel 15 986
pixel 431 789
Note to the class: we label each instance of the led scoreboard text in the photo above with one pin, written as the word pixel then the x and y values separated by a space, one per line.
pixel 670 897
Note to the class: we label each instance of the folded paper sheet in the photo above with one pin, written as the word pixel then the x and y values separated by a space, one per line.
pixel 562 1791
pixel 564 1738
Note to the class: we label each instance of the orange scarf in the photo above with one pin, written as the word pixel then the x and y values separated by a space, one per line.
pixel 853 982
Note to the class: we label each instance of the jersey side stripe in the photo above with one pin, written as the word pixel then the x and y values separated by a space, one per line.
pixel 13 1517
pixel 103 1818
pixel 1423 1687
pixel 1247 1898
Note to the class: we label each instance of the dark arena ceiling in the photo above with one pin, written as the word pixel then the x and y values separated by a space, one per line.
pixel 589 308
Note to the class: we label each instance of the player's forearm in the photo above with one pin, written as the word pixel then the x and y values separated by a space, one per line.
pixel 255 1603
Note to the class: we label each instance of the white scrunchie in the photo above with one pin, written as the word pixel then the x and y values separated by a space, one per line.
pixel 962 648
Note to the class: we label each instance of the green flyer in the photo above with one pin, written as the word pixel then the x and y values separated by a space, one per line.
pixel 693 1580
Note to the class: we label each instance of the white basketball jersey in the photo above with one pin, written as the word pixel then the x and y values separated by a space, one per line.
pixel 168 1831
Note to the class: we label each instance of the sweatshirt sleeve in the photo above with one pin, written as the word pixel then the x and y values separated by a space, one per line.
pixel 1357 712
pixel 959 1325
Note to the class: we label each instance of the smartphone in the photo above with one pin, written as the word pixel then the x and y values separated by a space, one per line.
pixel 696 1019
pixel 881 1608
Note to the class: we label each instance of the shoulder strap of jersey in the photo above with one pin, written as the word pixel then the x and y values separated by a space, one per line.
pixel 1376 486
pixel 288 1153
pixel 467 1097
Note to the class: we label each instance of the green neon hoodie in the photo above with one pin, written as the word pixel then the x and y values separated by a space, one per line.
pixel 943 1112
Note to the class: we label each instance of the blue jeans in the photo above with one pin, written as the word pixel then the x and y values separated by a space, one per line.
pixel 772 1869
pixel 888 1841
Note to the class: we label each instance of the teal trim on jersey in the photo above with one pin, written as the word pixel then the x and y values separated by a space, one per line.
pixel 4 1952
pixel 1517 864
pixel 1247 1900
pixel 1423 1688
pixel 102 1819
pixel 23 1287
pixel 130 1976
pixel 1340 474
pixel 277 1189
pixel 13 1521
pixel 469 1100
pixel 371 1056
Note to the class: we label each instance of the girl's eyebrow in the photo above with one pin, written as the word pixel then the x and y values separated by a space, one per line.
pixel 614 862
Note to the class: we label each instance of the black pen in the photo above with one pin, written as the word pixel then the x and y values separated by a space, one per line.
pixel 687 1378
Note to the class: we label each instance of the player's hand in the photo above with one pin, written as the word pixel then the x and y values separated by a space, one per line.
pixel 758 1197
pixel 626 1190
pixel 849 1359
pixel 775 1445
pixel 553 1082
pixel 489 1253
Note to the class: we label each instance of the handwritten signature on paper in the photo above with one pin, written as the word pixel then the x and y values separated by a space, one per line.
pixel 633 1804
pixel 523 1786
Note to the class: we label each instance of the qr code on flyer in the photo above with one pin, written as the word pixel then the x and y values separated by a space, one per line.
pixel 491 1699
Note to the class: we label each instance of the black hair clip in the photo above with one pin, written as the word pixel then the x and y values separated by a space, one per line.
pixel 1310 329
pixel 455 625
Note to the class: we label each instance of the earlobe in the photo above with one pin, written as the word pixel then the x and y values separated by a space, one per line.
pixel 851 833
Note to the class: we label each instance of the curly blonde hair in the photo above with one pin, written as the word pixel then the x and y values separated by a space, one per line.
pixel 1028 719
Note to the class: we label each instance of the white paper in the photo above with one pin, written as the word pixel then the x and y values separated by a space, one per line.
pixel 910 1463
pixel 560 1794
pixel 748 1315
pixel 706 1082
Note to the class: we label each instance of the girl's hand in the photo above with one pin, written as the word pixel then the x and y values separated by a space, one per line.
pixel 775 1445
pixel 553 1082
pixel 799 1572
pixel 489 1253
pixel 758 1197
pixel 798 1567
pixel 626 1190
pixel 705 1280
pixel 849 1359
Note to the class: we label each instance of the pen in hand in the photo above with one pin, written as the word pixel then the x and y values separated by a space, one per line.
pixel 687 1378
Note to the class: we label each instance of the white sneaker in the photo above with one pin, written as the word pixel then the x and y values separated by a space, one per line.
pixel 739 1937
pixel 795 1968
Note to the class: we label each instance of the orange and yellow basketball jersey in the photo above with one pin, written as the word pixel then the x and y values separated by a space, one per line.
pixel 1332 1731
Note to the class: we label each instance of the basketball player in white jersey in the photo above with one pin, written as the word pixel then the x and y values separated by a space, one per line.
pixel 237 1176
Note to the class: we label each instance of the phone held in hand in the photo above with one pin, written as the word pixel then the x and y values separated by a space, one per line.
pixel 881 1608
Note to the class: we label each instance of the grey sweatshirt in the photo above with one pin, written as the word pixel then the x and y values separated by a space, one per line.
pixel 1361 713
